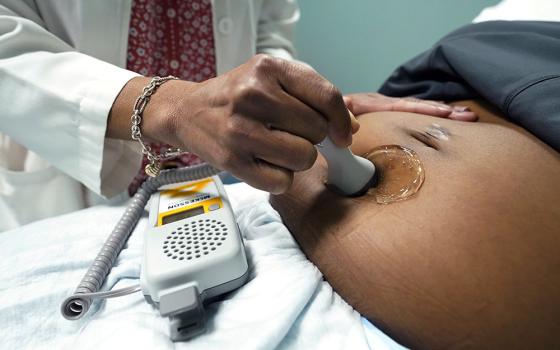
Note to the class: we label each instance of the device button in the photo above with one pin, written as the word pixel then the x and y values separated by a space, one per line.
pixel 213 207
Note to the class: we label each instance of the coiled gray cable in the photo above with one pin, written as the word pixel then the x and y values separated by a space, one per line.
pixel 76 305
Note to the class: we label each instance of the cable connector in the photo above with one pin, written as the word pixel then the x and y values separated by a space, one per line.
pixel 185 311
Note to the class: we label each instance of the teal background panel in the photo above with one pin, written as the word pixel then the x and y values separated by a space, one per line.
pixel 356 44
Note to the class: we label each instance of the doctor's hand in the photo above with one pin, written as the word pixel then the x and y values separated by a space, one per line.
pixel 361 103
pixel 259 121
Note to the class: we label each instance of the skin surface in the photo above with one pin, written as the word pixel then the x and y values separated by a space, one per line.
pixel 258 121
pixel 471 261
pixel 369 102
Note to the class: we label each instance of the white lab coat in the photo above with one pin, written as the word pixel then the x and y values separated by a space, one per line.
pixel 61 67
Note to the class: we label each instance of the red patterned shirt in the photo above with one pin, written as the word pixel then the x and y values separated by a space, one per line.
pixel 171 37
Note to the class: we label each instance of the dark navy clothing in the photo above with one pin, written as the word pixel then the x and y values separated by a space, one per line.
pixel 514 65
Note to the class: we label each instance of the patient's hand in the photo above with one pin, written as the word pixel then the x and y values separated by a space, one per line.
pixel 362 103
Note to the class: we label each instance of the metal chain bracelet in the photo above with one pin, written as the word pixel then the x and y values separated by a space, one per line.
pixel 154 166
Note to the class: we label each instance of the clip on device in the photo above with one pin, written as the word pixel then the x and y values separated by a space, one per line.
pixel 193 250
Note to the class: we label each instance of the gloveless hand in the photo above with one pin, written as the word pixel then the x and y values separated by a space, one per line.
pixel 259 121
pixel 362 103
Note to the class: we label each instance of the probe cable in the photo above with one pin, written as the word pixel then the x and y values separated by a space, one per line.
pixel 76 305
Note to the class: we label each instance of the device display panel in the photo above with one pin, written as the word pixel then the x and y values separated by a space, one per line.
pixel 182 215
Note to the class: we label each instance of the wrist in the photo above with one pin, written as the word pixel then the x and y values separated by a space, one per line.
pixel 167 109
pixel 159 119
pixel 118 123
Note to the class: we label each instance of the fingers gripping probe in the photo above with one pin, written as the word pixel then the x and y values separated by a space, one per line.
pixel 350 175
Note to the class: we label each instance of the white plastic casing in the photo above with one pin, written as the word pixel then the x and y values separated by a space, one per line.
pixel 350 174
pixel 204 251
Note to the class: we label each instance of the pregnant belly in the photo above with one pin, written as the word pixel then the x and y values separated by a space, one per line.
pixel 472 252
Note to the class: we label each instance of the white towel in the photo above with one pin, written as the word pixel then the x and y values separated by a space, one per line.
pixel 286 303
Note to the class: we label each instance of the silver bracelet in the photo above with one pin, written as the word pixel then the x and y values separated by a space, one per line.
pixel 154 166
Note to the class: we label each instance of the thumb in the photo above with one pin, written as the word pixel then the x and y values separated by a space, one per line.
pixel 354 123
pixel 349 104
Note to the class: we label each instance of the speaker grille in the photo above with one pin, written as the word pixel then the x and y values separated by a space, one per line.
pixel 195 239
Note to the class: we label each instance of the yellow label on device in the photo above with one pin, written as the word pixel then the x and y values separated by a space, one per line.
pixel 188 200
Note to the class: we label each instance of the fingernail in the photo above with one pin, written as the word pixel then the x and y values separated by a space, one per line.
pixel 463 116
pixel 355 127
pixel 461 109
pixel 349 139
pixel 445 108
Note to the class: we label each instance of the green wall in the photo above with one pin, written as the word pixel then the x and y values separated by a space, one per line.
pixel 356 44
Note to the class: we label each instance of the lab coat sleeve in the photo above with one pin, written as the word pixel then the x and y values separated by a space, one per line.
pixel 276 26
pixel 55 102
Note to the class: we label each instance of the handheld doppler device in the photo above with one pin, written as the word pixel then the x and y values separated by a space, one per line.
pixel 193 252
